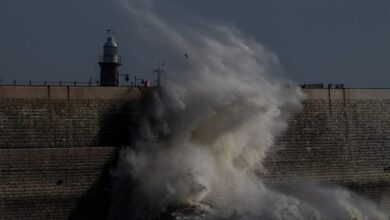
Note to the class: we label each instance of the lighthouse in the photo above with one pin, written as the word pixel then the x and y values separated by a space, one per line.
pixel 110 62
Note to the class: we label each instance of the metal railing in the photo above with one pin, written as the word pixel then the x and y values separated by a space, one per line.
pixel 50 83
pixel 110 59
pixel 321 86
pixel 137 83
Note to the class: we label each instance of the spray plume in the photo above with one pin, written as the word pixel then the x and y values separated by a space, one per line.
pixel 208 129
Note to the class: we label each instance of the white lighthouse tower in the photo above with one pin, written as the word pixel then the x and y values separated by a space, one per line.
pixel 110 62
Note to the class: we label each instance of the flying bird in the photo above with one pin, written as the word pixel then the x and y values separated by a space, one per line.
pixel 186 55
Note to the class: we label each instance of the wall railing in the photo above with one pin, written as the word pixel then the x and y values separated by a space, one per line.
pixel 70 83
pixel 110 59
pixel 49 83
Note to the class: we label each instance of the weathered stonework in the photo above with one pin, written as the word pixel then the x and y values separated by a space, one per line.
pixel 341 136
pixel 57 146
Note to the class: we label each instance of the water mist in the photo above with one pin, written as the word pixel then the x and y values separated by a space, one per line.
pixel 207 130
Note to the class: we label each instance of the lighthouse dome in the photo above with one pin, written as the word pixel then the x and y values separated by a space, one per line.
pixel 110 50
pixel 110 42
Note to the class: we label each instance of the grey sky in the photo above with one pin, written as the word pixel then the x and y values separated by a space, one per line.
pixel 342 41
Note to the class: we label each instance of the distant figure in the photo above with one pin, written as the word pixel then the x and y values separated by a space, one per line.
pixel 186 55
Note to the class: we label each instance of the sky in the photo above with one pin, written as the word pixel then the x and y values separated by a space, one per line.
pixel 316 41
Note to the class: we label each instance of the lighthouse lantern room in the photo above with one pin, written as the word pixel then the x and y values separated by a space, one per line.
pixel 110 62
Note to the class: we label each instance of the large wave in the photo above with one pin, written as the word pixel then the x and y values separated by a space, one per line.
pixel 207 130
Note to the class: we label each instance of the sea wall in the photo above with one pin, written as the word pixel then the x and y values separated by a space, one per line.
pixel 58 144
pixel 341 136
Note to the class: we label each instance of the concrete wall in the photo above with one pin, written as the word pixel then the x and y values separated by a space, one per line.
pixel 57 145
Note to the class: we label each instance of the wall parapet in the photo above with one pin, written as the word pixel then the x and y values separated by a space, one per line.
pixel 70 92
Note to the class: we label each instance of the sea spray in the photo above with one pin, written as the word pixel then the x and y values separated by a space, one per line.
pixel 207 130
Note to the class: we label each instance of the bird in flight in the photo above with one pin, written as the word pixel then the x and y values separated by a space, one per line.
pixel 186 55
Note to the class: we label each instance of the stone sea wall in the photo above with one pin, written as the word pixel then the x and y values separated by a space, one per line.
pixel 341 136
pixel 58 145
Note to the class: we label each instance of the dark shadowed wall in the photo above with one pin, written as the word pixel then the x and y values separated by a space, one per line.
pixel 57 145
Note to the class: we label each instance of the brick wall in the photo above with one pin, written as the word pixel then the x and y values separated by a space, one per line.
pixel 65 117
pixel 57 146
pixel 340 136
pixel 50 183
